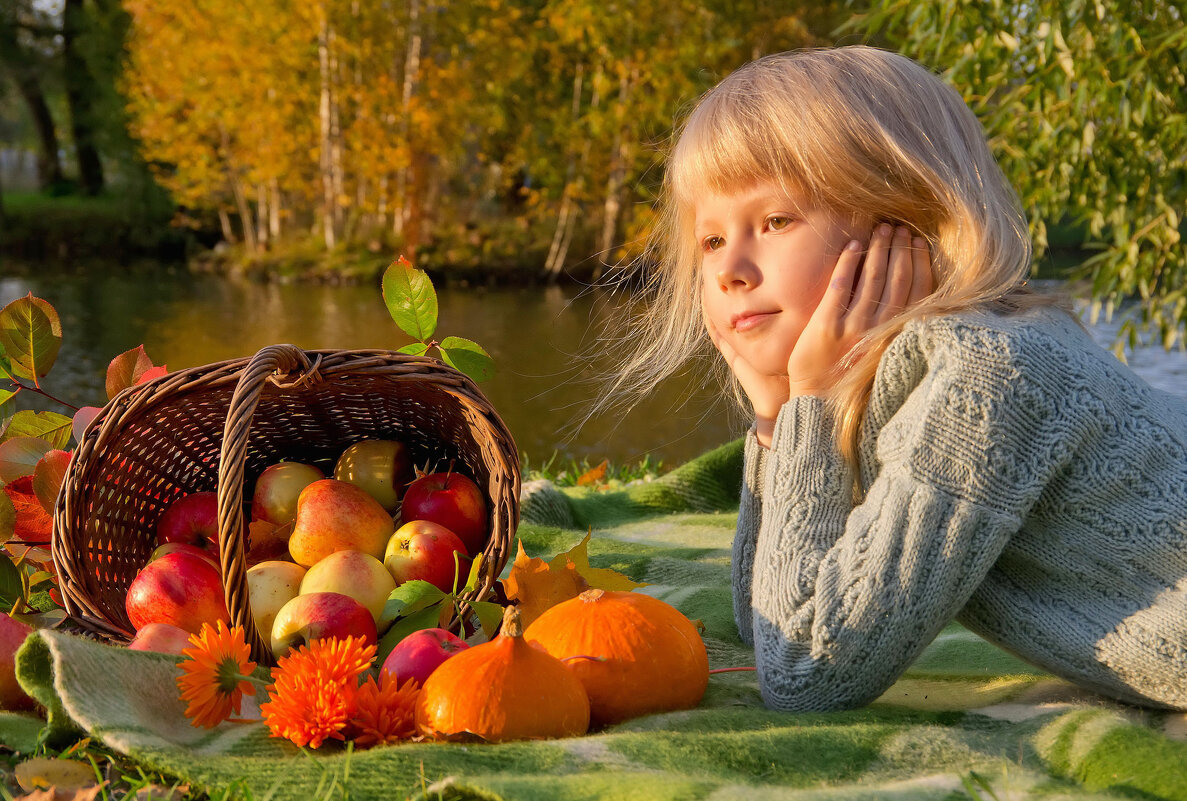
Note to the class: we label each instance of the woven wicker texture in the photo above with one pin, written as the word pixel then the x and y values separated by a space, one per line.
pixel 218 426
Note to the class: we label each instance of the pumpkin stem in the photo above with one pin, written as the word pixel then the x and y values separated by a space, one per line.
pixel 512 625
pixel 592 595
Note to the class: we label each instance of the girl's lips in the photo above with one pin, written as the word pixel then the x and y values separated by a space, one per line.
pixel 747 320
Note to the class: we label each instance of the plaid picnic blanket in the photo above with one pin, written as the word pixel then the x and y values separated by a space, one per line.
pixel 966 721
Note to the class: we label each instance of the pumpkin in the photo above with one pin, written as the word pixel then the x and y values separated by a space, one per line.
pixel 641 654
pixel 501 690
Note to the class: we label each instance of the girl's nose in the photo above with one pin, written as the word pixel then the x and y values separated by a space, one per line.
pixel 737 270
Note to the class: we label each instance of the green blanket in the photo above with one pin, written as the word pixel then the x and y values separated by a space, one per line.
pixel 967 721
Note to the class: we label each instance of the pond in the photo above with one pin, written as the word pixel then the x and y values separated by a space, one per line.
pixel 540 338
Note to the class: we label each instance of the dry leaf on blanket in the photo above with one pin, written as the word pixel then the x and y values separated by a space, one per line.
pixel 48 779
pixel 536 585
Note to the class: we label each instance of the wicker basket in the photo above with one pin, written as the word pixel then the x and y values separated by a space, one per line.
pixel 218 426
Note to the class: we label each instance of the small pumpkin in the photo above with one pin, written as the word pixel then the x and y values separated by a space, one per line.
pixel 644 655
pixel 501 690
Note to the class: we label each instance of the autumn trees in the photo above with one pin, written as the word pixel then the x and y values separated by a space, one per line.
pixel 416 122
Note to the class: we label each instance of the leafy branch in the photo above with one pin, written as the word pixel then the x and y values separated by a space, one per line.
pixel 412 303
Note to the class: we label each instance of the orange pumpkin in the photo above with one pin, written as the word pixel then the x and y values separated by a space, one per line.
pixel 501 690
pixel 644 655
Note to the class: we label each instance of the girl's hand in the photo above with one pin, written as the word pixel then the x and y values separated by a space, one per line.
pixel 767 393
pixel 895 273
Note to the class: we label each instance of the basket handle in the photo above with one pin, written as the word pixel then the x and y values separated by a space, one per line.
pixel 272 362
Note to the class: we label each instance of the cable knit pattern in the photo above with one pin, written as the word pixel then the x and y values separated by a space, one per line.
pixel 1016 477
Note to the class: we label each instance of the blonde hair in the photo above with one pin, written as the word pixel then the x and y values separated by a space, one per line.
pixel 865 133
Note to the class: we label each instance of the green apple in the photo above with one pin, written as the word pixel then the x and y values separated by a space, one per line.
pixel 382 467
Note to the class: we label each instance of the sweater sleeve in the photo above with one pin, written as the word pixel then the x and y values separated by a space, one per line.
pixel 844 597
pixel 749 519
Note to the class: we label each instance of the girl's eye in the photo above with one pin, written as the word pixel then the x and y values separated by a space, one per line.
pixel 711 243
pixel 778 223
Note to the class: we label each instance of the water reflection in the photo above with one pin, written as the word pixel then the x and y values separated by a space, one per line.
pixel 536 336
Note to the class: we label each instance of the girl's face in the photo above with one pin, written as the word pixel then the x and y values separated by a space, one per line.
pixel 765 264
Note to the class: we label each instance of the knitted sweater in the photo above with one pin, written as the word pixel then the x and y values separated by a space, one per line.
pixel 1016 477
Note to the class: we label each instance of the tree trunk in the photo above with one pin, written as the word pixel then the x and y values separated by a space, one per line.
pixel 404 178
pixel 23 70
pixel 567 215
pixel 274 210
pixel 224 222
pixel 81 91
pixel 329 154
pixel 619 157
pixel 262 216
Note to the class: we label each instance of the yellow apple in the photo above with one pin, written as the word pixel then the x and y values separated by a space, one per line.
pixel 354 573
pixel 270 585
pixel 335 515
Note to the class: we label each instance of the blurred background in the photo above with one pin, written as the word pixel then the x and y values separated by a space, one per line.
pixel 207 177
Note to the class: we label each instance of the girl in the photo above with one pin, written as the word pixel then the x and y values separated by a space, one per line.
pixel 931 441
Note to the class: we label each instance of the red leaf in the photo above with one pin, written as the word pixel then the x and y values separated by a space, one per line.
pixel 32 522
pixel 82 419
pixel 127 370
pixel 155 372
pixel 48 477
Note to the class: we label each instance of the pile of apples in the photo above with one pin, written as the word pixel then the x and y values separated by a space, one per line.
pixel 350 541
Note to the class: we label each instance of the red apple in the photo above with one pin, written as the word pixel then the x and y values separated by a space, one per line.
pixel 333 516
pixel 419 654
pixel 12 636
pixel 453 501
pixel 178 588
pixel 277 489
pixel 193 520
pixel 382 467
pixel 163 638
pixel 319 615
pixel 425 550
pixel 181 547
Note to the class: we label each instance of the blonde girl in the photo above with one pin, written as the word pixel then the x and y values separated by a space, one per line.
pixel 931 441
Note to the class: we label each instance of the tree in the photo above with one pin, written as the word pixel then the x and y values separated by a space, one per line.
pixel 24 64
pixel 1085 104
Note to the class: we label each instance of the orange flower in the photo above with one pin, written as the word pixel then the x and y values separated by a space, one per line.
pixel 215 674
pixel 313 693
pixel 384 712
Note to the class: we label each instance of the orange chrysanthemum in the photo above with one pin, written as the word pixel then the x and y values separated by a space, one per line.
pixel 313 693
pixel 215 674
pixel 384 712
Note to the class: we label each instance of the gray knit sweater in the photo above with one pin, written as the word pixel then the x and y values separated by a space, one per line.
pixel 1017 478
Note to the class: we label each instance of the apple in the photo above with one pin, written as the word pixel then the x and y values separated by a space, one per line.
pixel 451 500
pixel 422 549
pixel 12 635
pixel 419 654
pixel 382 467
pixel 335 515
pixel 270 585
pixel 163 638
pixel 354 573
pixel 277 489
pixel 178 588
pixel 191 519
pixel 182 547
pixel 319 615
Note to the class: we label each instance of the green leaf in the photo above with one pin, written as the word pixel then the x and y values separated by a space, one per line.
pixel 5 396
pixel 20 455
pixel 31 334
pixel 7 518
pixel 11 586
pixel 490 615
pixel 52 427
pixel 415 349
pixel 467 357
pixel 423 619
pixel 411 299
pixel 409 598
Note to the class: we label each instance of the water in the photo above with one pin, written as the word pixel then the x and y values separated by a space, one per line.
pixel 537 336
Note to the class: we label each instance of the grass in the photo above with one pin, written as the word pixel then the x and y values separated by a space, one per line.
pixel 567 471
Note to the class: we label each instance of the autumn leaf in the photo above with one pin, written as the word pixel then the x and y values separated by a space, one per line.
pixel 63 775
pixel 52 427
pixel 129 369
pixel 32 524
pixel 596 577
pixel 593 475
pixel 83 418
pixel 48 477
pixel 536 586
pixel 31 335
